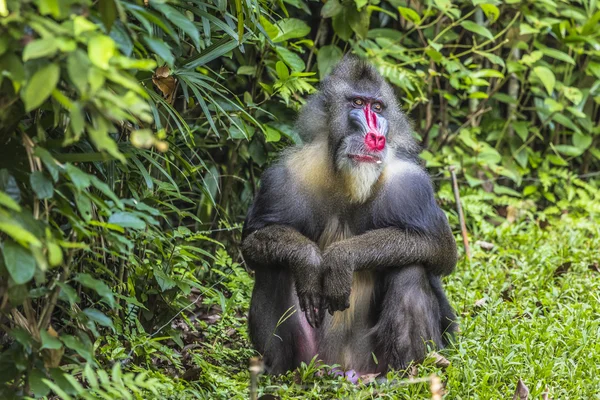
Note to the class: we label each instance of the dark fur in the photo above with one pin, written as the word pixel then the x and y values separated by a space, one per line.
pixel 399 237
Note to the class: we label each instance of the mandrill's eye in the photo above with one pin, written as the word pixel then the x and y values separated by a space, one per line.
pixel 377 107
pixel 358 102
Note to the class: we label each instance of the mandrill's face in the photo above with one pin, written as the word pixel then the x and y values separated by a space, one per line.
pixel 362 152
pixel 365 141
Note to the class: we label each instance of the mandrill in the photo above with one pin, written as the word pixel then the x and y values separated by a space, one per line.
pixel 346 231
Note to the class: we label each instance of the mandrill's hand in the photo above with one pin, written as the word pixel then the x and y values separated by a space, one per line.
pixel 337 278
pixel 308 286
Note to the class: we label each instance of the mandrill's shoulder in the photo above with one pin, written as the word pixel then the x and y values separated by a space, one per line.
pixel 280 201
pixel 406 199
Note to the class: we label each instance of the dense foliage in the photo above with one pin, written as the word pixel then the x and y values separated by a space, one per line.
pixel 132 135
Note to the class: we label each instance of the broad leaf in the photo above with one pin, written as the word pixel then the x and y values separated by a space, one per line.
pixel 547 78
pixel 127 220
pixel 19 262
pixel 291 28
pixel 40 48
pixel 327 57
pixel 478 29
pixel 41 185
pixel 490 11
pixel 40 86
pixel 101 49
pixel 410 15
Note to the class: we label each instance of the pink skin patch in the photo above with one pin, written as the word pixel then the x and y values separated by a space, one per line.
pixel 374 140
pixel 306 340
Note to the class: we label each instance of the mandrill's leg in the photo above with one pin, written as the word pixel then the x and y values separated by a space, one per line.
pixel 410 317
pixel 447 316
pixel 278 330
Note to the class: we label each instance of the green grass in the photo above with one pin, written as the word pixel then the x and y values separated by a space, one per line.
pixel 528 309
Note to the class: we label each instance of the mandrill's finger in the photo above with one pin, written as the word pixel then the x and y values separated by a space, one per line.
pixel 302 301
pixel 310 317
pixel 314 306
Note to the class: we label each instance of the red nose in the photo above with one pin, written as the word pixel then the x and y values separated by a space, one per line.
pixel 374 141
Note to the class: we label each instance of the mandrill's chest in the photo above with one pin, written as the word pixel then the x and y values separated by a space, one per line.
pixel 335 229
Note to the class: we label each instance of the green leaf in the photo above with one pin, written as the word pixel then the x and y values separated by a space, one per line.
pixel 573 94
pixel 67 293
pixel 282 72
pixel 271 30
pixel 566 122
pixel 522 129
pixel 101 49
pixel 49 162
pixel 77 67
pixel 331 9
pixel 58 390
pixel 272 135
pixel 84 205
pixel 557 54
pixel 81 348
pixel 100 287
pixel 247 70
pixel 341 26
pixel 492 57
pixel 19 234
pixel 77 120
pixel 568 150
pixel 127 220
pixel 179 20
pixel 36 383
pixel 478 29
pixel 291 59
pixel 49 341
pixel 410 15
pixel 99 135
pixel 327 57
pixel 40 86
pixel 291 28
pixel 107 9
pixel 80 179
pixel 582 141
pixel 487 73
pixel 41 185
pixel 55 255
pixel 8 202
pixel 491 11
pixel 164 281
pixel 99 317
pixel 19 262
pixel 443 5
pixel 358 21
pixel 547 78
pixel 40 48
pixel 526 29
pixel 90 376
pixel 160 48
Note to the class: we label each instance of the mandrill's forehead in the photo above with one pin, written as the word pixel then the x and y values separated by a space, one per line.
pixel 370 89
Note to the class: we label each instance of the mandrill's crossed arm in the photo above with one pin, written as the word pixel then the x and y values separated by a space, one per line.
pixel 394 247
pixel 382 249
pixel 279 246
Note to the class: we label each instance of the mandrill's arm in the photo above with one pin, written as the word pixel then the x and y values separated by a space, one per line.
pixel 278 246
pixel 269 240
pixel 408 228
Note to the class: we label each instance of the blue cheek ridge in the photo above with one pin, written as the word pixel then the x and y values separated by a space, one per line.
pixel 357 116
